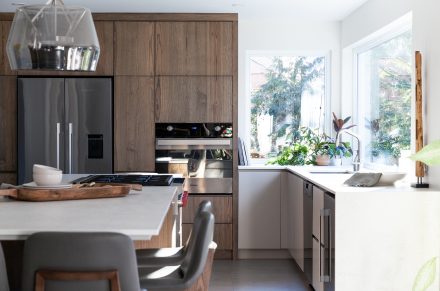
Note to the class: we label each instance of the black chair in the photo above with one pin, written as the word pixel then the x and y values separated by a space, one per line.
pixel 185 275
pixel 4 286
pixel 172 256
pixel 54 261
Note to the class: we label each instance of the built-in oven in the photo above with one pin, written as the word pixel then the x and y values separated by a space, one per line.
pixel 195 150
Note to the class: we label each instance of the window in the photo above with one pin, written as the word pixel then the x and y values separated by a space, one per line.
pixel 384 100
pixel 286 92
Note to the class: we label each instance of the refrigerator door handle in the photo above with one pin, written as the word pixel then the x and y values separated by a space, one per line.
pixel 70 147
pixel 58 144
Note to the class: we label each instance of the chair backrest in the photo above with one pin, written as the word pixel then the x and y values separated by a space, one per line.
pixel 204 206
pixel 80 252
pixel 4 286
pixel 197 253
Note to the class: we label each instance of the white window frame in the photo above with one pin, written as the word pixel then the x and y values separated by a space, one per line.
pixel 385 34
pixel 283 53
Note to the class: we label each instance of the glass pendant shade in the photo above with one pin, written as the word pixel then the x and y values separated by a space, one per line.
pixel 53 37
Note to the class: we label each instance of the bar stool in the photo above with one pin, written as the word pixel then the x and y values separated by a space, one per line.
pixel 79 261
pixel 4 286
pixel 172 256
pixel 185 275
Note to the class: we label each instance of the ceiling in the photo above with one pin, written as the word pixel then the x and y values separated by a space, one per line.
pixel 324 10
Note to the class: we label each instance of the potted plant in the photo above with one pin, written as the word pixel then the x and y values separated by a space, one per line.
pixel 322 150
pixel 336 152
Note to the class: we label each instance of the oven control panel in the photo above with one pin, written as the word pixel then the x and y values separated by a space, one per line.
pixel 193 130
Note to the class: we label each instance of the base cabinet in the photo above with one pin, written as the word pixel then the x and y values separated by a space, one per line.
pixel 259 208
pixel 223 228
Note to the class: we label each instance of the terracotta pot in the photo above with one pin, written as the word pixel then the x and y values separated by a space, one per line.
pixel 322 160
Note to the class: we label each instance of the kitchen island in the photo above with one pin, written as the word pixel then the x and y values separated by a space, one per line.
pixel 139 215
pixel 142 215
pixel 383 235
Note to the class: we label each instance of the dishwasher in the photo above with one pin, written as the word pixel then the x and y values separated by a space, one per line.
pixel 307 228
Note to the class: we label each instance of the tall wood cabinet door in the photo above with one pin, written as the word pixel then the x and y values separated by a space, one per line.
pixel 194 48
pixel 8 123
pixel 134 124
pixel 9 178
pixel 104 30
pixel 5 68
pixel 134 48
pixel 193 99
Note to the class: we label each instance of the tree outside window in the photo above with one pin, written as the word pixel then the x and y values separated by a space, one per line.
pixel 286 93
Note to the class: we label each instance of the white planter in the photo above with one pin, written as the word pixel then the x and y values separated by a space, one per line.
pixel 335 162
pixel 322 160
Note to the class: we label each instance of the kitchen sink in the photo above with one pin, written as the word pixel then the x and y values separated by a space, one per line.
pixel 330 171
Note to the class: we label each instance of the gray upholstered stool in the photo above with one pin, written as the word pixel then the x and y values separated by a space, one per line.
pixel 172 256
pixel 3 275
pixel 79 261
pixel 183 276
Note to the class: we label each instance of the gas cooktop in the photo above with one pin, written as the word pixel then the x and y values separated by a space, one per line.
pixel 144 180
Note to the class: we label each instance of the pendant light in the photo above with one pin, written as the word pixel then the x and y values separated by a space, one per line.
pixel 53 37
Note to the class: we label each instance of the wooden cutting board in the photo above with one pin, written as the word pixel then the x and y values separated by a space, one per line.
pixel 77 192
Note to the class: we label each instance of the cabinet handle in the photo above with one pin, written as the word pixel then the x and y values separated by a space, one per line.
pixel 324 213
pixel 58 144
pixel 329 246
pixel 321 217
pixel 70 147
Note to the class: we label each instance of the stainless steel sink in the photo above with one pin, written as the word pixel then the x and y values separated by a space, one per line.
pixel 330 172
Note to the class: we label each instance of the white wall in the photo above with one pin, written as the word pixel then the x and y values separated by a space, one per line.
pixel 426 22
pixel 284 35
pixel 370 17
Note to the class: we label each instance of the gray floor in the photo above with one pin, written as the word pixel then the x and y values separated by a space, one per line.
pixel 257 275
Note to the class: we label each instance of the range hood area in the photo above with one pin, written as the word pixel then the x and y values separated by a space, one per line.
pixel 53 37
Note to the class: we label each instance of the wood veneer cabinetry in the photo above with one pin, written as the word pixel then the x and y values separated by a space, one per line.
pixel 134 48
pixel 5 68
pixel 223 228
pixel 10 178
pixel 134 124
pixel 194 48
pixel 8 124
pixel 104 30
pixel 194 99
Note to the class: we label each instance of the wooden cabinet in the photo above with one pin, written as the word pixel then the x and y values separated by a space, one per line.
pixel 194 99
pixel 222 208
pixel 133 124
pixel 104 30
pixel 10 178
pixel 259 210
pixel 134 48
pixel 194 48
pixel 5 68
pixel 223 231
pixel 8 124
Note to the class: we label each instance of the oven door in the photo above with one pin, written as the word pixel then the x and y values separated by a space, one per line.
pixel 196 157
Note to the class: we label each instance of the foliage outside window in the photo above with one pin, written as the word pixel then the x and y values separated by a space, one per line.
pixel 384 100
pixel 287 92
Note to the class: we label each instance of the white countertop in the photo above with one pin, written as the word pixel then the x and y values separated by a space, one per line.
pixel 139 215
pixel 383 234
pixel 332 182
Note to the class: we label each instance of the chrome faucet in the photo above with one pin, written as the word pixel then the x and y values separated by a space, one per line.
pixel 357 157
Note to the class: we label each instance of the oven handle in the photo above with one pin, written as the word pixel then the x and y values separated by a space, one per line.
pixel 193 143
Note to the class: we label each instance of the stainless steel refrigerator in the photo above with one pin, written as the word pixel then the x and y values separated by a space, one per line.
pixel 65 123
